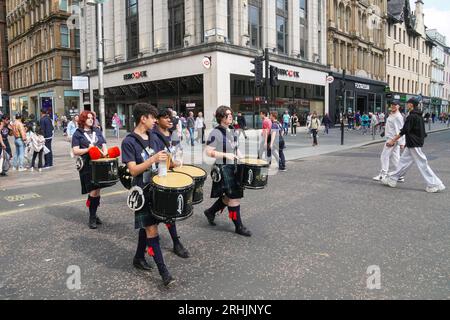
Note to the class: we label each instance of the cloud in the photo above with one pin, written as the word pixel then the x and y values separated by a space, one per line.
pixel 438 19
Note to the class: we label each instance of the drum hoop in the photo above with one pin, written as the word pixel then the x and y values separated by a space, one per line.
pixel 158 186
pixel 166 219
pixel 205 173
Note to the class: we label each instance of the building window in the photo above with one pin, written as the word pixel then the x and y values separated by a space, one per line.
pixel 230 20
pixel 255 26
pixel 77 38
pixel 281 35
pixel 304 29
pixel 65 68
pixel 65 36
pixel 63 5
pixel 176 24
pixel 132 29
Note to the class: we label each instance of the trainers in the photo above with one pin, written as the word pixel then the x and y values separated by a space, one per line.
pixel 22 169
pixel 180 250
pixel 32 169
pixel 401 179
pixel 40 170
pixel 435 189
pixel 378 177
pixel 387 181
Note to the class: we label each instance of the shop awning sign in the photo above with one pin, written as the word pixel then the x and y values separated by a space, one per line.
pixel 135 75
pixel 362 86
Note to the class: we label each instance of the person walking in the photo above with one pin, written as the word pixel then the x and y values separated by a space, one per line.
pixel 277 143
pixel 5 132
pixel 326 122
pixel 20 137
pixel 314 127
pixel 394 124
pixel 199 127
pixel 37 143
pixel 286 120
pixel 265 134
pixel 308 124
pixel 365 121
pixel 190 123
pixel 71 128
pixel 414 131
pixel 116 124
pixel 242 125
pixel 48 130
pixel 294 124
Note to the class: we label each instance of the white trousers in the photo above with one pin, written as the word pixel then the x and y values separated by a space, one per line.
pixel 389 155
pixel 415 155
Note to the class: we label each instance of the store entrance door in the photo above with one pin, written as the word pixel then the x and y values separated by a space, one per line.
pixel 361 104
pixel 129 120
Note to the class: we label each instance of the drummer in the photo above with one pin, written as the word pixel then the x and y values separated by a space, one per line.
pixel 85 138
pixel 161 140
pixel 141 160
pixel 228 190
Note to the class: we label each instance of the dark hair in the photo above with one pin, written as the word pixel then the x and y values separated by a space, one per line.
pixel 143 110
pixel 39 131
pixel 18 116
pixel 29 127
pixel 83 118
pixel 163 112
pixel 44 111
pixel 221 113
pixel 264 112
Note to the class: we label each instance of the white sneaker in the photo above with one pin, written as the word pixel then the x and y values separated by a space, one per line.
pixel 435 189
pixel 31 169
pixel 401 179
pixel 378 177
pixel 22 169
pixel 387 181
pixel 14 169
pixel 40 170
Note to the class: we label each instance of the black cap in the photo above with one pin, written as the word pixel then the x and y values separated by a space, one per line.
pixel 395 102
pixel 414 101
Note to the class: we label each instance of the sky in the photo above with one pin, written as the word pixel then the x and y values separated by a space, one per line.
pixel 437 15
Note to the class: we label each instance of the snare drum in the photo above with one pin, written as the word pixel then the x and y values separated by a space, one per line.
pixel 105 172
pixel 256 173
pixel 171 197
pixel 199 176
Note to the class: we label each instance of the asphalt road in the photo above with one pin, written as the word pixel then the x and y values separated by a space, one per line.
pixel 317 228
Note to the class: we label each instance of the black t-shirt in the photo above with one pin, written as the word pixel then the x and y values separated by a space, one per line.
pixel 222 140
pixel 79 138
pixel 133 151
pixel 5 134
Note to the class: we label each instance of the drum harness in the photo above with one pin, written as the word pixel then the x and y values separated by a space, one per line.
pixel 81 160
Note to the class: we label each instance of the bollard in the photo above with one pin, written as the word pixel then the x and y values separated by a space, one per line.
pixel 429 124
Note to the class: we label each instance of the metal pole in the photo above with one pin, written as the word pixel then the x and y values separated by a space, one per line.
pixel 267 82
pixel 342 108
pixel 101 90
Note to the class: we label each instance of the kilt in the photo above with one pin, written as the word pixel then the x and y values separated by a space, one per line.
pixel 231 183
pixel 144 218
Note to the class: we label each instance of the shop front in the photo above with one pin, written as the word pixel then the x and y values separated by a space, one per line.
pixel 360 95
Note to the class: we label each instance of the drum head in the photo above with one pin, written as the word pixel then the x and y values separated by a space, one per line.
pixel 254 162
pixel 195 172
pixel 173 180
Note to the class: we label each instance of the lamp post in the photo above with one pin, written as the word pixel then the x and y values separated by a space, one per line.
pixel 100 60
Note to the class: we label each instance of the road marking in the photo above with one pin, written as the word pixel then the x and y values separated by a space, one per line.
pixel 22 197
pixel 106 195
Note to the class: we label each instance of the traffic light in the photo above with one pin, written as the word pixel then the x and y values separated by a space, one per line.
pixel 258 70
pixel 274 76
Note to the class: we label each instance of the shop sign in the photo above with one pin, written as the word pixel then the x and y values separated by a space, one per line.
pixel 190 105
pixel 288 73
pixel 362 86
pixel 135 75
pixel 206 62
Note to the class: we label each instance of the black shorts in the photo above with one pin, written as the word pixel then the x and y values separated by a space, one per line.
pixel 231 183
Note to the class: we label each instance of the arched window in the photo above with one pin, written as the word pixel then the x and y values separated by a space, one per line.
pixel 342 16
pixel 348 19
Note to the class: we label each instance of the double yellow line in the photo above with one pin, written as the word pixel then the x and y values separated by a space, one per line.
pixel 106 195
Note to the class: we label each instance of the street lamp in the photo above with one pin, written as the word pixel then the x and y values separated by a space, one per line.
pixel 100 60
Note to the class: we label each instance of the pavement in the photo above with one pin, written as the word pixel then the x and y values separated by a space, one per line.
pixel 318 230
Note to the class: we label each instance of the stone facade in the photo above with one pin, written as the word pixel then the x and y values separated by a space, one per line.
pixel 43 56
pixel 4 81
pixel 437 69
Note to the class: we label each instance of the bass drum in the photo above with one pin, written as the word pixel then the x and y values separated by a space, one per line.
pixel 105 172
pixel 256 173
pixel 199 176
pixel 171 197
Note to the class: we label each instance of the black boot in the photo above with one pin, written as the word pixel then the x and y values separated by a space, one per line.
pixel 211 212
pixel 98 221
pixel 165 275
pixel 180 250
pixel 92 222
pixel 243 231
pixel 142 264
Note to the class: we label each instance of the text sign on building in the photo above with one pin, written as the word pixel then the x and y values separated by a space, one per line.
pixel 362 86
pixel 135 75
pixel 288 73
pixel 80 83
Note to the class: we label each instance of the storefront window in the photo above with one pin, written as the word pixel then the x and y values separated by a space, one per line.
pixel 23 106
pixel 176 24
pixel 71 101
